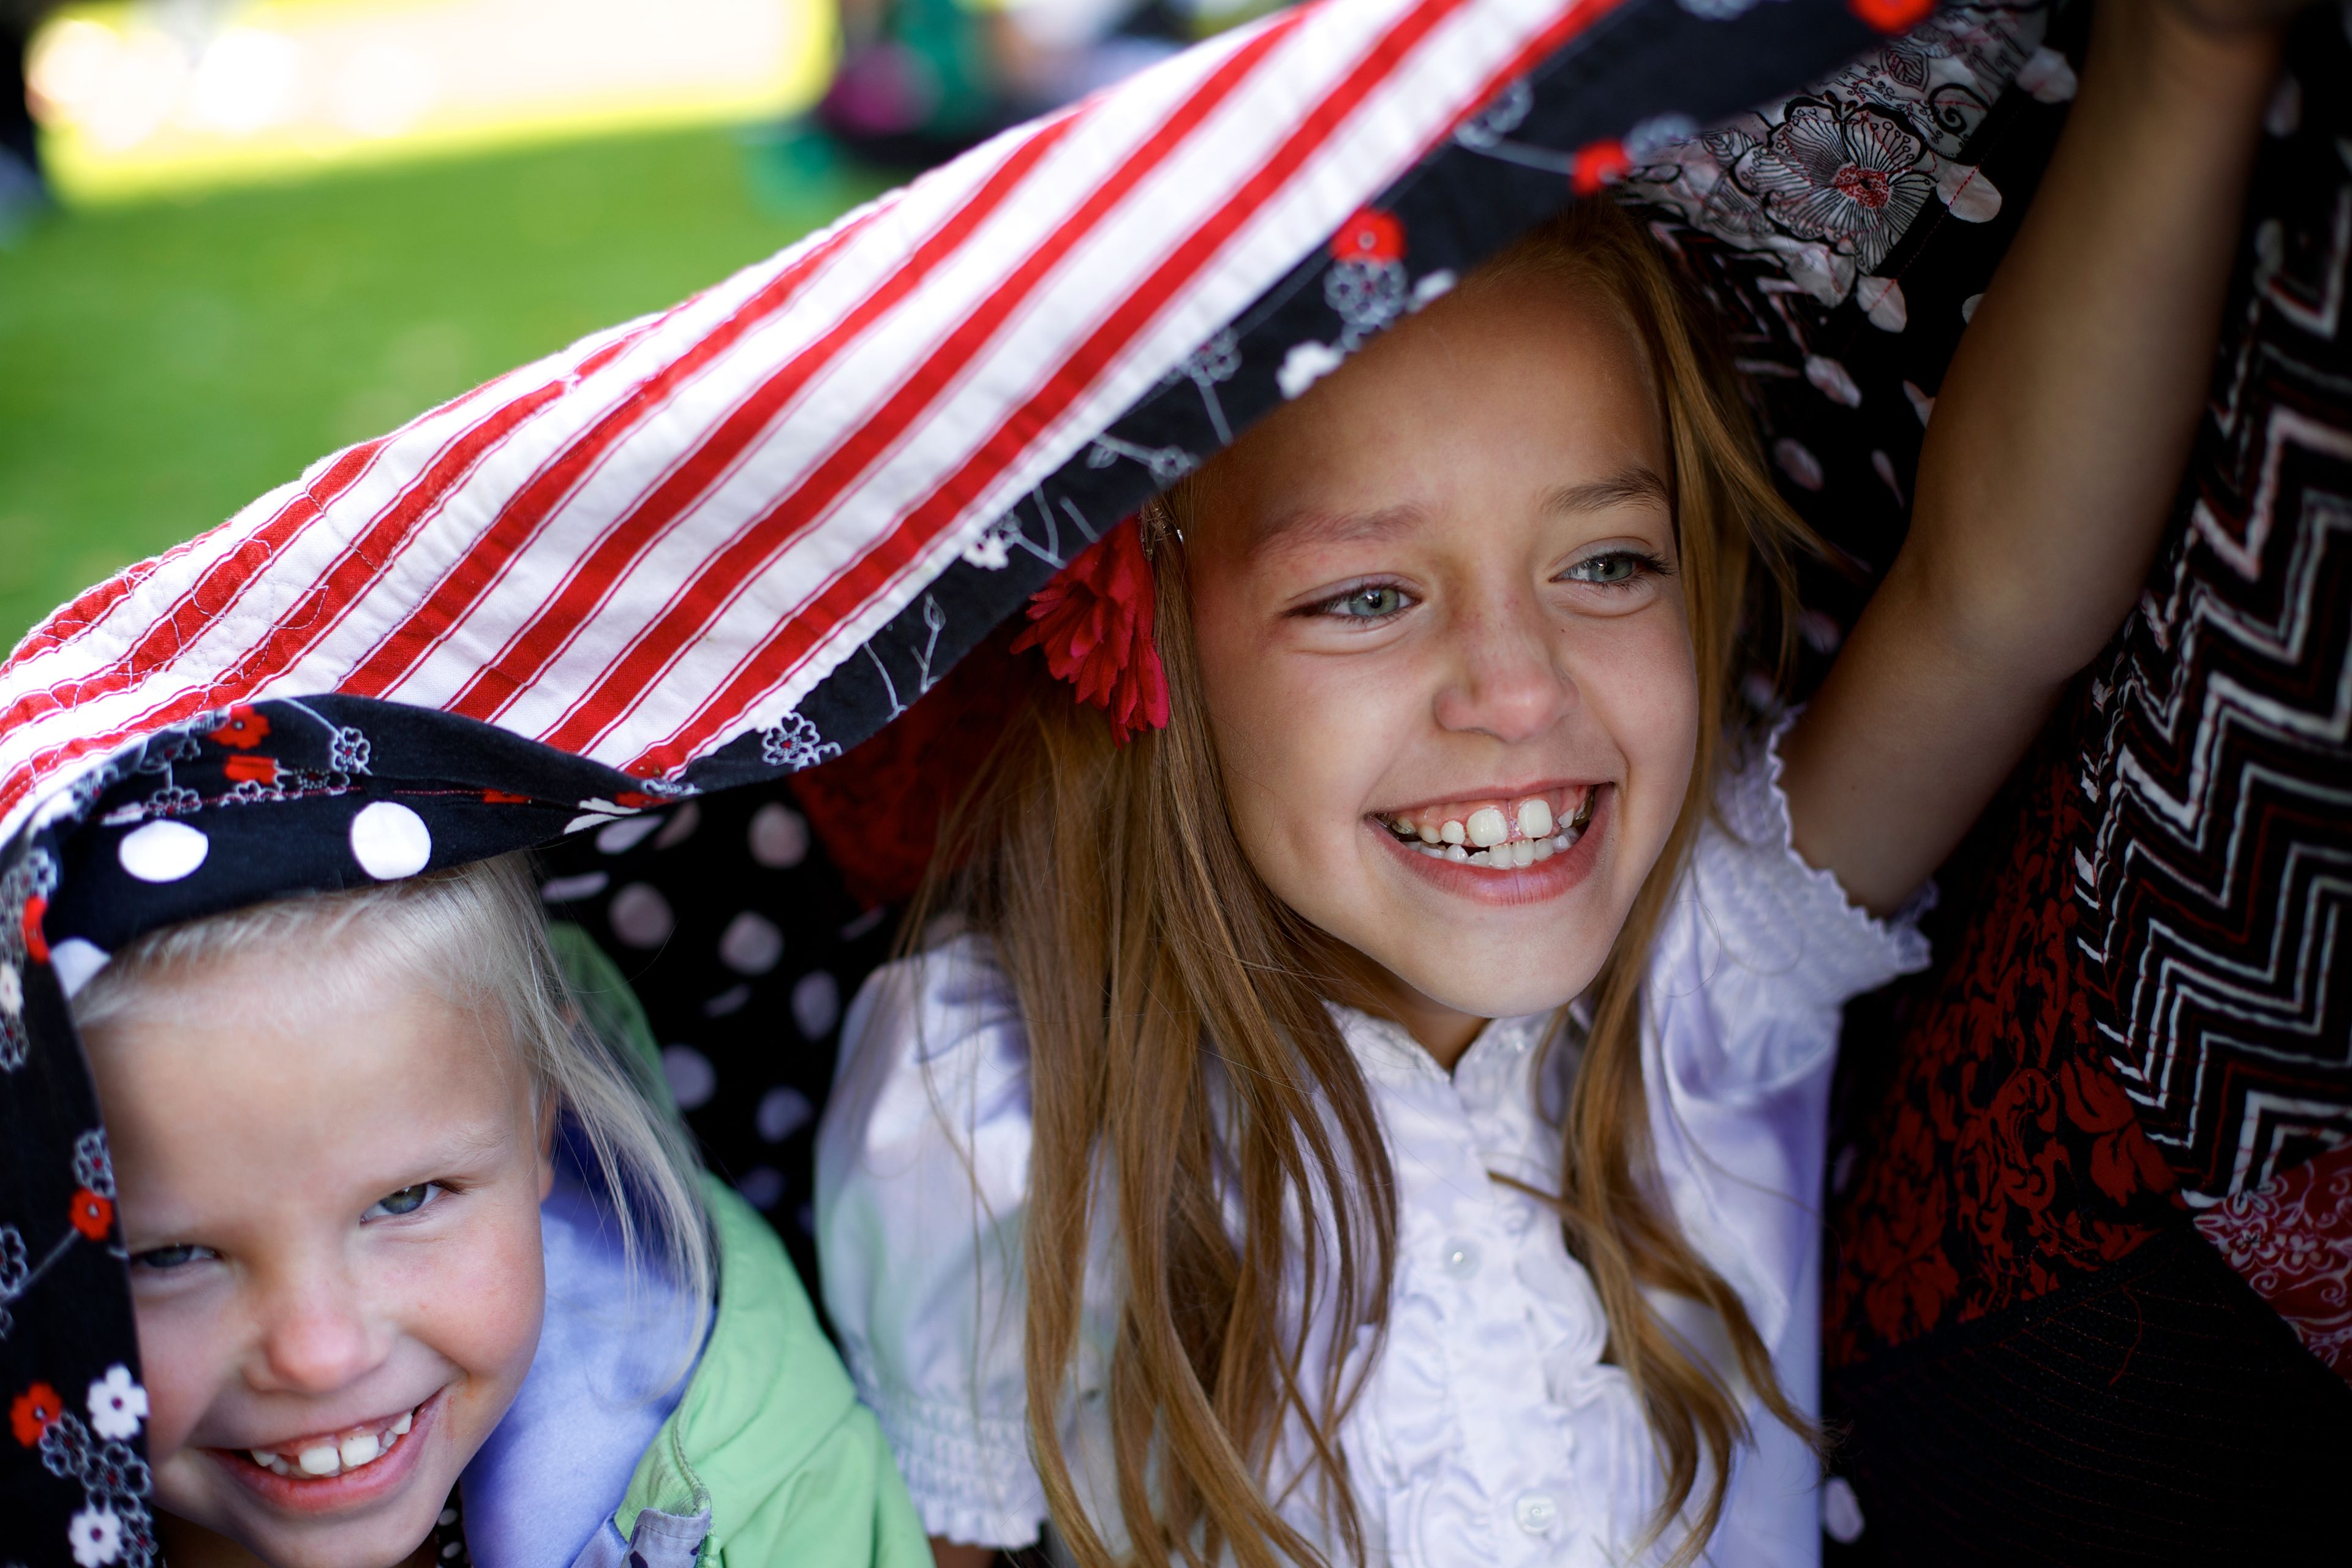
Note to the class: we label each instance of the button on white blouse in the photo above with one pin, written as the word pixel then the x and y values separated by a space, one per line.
pixel 1490 1431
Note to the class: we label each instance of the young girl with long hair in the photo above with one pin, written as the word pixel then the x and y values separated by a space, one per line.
pixel 1379 1117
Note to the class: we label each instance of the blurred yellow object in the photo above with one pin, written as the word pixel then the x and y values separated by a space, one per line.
pixel 166 96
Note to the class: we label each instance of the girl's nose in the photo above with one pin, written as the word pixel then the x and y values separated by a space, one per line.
pixel 1506 679
pixel 316 1334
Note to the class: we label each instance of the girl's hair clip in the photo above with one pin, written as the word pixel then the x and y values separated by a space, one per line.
pixel 1093 622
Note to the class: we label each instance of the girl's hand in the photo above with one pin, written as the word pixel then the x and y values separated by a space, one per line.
pixel 2055 450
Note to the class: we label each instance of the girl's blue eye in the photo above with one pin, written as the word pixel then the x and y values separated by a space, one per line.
pixel 1612 569
pixel 406 1201
pixel 168 1258
pixel 1372 602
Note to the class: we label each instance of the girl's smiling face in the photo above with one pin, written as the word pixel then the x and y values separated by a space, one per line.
pixel 331 1205
pixel 1438 589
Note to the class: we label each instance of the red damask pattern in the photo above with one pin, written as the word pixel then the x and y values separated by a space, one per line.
pixel 2004 1160
pixel 2291 1239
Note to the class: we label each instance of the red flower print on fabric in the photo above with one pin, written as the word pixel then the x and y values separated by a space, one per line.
pixel 249 768
pixel 1370 235
pixel 2122 1161
pixel 34 1412
pixel 91 1214
pixel 1093 622
pixel 244 729
pixel 37 946
pixel 1892 16
pixel 1598 164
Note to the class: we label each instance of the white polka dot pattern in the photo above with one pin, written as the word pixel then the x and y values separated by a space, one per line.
pixel 780 836
pixel 619 838
pixel 783 1111
pixel 570 889
pixel 390 841
pixel 750 944
pixel 816 1003
pixel 691 1077
pixel 163 851
pixel 640 916
pixel 77 964
pixel 680 827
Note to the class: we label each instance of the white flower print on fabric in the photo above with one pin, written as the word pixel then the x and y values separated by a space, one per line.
pixel 92 1218
pixel 93 1164
pixel 1367 284
pixel 1207 368
pixel 96 1536
pixel 793 744
pixel 113 1526
pixel 2291 1239
pixel 117 1403
pixel 1305 364
pixel 15 1273
pixel 1498 119
pixel 992 549
pixel 1839 172
pixel 1830 180
pixel 23 902
pixel 1166 464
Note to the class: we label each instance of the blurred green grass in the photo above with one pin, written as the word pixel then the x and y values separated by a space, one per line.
pixel 161 365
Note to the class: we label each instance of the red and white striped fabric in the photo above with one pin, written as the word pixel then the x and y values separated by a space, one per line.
pixel 670 532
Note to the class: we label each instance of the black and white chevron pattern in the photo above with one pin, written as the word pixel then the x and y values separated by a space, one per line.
pixel 2214 876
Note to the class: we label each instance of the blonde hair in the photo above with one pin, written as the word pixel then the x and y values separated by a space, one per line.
pixel 477 934
pixel 1180 1044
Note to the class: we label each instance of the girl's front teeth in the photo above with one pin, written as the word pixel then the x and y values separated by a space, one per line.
pixel 332 1456
pixel 1484 837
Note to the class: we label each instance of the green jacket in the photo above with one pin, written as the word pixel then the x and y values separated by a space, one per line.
pixel 768 1459
pixel 769 1436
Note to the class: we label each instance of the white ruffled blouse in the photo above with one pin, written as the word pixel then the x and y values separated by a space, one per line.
pixel 1490 1431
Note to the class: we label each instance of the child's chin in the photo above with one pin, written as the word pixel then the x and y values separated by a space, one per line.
pixel 1499 995
pixel 318 1524
pixel 1489 979
pixel 389 1535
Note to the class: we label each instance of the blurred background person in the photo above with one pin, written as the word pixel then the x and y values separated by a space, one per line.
pixel 22 192
pixel 267 228
pixel 921 79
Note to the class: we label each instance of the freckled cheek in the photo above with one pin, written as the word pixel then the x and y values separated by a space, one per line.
pixel 1302 749
pixel 476 1297
pixel 187 1356
pixel 1637 678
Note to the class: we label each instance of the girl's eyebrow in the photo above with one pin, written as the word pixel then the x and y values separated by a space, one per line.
pixel 1636 482
pixel 467 1144
pixel 1308 525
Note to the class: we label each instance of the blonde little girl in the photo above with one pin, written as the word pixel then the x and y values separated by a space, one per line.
pixel 1379 1117
pixel 405 1203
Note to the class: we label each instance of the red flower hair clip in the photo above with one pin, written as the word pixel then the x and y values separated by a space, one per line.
pixel 1093 622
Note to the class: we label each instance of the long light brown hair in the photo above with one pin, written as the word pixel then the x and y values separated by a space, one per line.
pixel 1181 1048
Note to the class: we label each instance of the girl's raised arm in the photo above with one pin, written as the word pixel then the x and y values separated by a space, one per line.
pixel 2055 451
